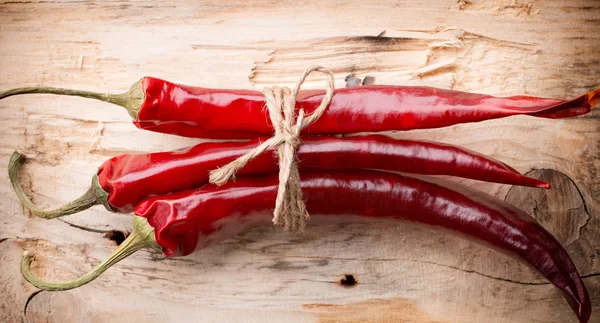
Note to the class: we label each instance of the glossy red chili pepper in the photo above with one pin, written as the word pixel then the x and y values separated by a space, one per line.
pixel 124 181
pixel 166 107
pixel 193 219
pixel 181 222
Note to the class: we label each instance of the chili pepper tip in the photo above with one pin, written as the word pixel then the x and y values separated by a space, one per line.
pixel 141 237
pixel 544 185
pixel 594 97
pixel 94 195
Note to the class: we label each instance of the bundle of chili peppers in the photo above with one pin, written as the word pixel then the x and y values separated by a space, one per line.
pixel 176 209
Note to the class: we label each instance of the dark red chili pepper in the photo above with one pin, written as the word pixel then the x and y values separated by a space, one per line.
pixel 124 181
pixel 180 223
pixel 165 107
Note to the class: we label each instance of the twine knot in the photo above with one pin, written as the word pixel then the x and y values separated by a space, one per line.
pixel 290 210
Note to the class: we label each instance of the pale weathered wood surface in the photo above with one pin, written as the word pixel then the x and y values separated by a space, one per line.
pixel 404 273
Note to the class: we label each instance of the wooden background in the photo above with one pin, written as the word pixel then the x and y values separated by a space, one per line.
pixel 403 273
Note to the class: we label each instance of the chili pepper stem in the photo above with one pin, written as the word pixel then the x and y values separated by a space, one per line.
pixel 141 237
pixel 94 195
pixel 131 100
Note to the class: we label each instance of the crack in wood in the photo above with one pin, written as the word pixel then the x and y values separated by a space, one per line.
pixel 591 275
pixel 29 299
pixel 84 228
pixel 423 53
pixel 432 263
pixel 318 281
pixel 585 208
pixel 133 271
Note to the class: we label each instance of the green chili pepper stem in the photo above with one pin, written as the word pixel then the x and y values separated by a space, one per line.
pixel 141 237
pixel 131 100
pixel 94 195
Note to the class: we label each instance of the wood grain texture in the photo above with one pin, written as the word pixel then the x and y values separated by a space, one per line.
pixel 403 273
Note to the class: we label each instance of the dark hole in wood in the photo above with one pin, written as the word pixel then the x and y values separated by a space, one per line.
pixel 117 236
pixel 348 281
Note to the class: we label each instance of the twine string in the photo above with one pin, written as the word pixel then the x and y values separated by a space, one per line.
pixel 290 210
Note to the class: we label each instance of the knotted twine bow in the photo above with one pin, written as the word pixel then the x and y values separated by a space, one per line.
pixel 290 210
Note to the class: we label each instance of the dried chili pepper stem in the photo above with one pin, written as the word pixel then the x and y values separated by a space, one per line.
pixel 142 237
pixel 94 195
pixel 131 100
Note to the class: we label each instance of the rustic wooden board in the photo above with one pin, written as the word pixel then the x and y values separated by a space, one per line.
pixel 404 273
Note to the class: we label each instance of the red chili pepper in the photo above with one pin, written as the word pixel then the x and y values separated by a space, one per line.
pixel 180 223
pixel 193 219
pixel 124 181
pixel 165 107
